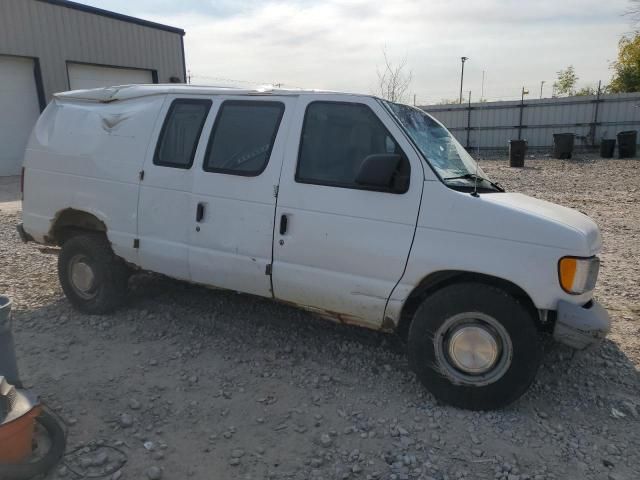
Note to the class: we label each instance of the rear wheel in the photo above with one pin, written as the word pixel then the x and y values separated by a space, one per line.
pixel 92 277
pixel 474 346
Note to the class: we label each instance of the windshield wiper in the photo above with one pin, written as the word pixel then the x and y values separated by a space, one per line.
pixel 473 176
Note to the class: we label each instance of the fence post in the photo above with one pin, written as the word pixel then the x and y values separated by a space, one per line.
pixel 594 124
pixel 521 112
pixel 469 121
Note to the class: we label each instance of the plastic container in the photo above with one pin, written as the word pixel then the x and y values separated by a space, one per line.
pixel 16 429
pixel 517 152
pixel 627 144
pixel 607 147
pixel 8 364
pixel 16 437
pixel 563 145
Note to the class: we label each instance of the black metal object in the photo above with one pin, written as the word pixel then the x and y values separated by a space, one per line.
pixel 596 110
pixel 284 222
pixel 607 147
pixel 8 363
pixel 469 121
pixel 563 145
pixel 199 212
pixel 517 152
pixel 627 144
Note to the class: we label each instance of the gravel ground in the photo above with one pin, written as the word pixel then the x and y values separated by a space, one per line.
pixel 191 383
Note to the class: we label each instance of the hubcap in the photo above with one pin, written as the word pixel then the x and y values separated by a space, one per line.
pixel 473 348
pixel 82 276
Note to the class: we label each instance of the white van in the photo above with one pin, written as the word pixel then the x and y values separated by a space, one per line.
pixel 361 210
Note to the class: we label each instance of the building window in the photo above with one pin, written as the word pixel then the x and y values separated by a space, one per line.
pixel 243 137
pixel 180 133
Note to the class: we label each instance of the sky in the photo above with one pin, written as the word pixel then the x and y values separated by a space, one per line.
pixel 339 44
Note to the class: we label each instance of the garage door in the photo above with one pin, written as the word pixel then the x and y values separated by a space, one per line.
pixel 91 76
pixel 19 111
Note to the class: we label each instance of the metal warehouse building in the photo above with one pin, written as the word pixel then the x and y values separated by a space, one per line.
pixel 48 46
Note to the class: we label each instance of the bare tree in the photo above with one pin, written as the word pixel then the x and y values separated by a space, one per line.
pixel 393 79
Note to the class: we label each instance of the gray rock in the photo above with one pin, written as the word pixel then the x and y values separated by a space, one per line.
pixel 100 459
pixel 237 453
pixel 154 473
pixel 126 420
pixel 325 440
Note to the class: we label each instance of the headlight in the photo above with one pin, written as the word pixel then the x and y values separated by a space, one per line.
pixel 578 275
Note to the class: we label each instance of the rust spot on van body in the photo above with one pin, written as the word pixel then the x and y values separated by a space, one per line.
pixel 343 318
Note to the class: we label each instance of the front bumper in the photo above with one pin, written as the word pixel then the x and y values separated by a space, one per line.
pixel 24 236
pixel 581 326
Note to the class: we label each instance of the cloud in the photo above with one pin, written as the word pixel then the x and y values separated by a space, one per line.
pixel 338 44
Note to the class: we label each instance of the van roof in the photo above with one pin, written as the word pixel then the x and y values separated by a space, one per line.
pixel 127 92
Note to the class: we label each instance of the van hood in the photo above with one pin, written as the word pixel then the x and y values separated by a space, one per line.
pixel 547 223
pixel 512 217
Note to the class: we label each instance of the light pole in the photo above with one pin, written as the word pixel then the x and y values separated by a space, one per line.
pixel 463 59
pixel 541 85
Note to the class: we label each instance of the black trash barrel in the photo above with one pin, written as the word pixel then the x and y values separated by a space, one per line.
pixel 563 145
pixel 8 363
pixel 607 146
pixel 627 144
pixel 517 152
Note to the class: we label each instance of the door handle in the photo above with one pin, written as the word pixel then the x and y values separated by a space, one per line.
pixel 284 222
pixel 200 212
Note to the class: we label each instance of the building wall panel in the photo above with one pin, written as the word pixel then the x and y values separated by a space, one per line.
pixel 56 34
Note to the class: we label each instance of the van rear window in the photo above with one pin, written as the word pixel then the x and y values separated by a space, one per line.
pixel 180 133
pixel 243 137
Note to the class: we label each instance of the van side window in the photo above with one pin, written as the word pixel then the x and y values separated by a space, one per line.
pixel 336 138
pixel 242 137
pixel 180 133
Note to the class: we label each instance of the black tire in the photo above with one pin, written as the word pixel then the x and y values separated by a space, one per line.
pixel 521 356
pixel 109 288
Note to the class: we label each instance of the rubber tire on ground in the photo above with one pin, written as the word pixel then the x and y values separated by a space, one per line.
pixel 492 301
pixel 110 271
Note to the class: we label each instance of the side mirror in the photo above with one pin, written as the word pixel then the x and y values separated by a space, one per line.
pixel 380 171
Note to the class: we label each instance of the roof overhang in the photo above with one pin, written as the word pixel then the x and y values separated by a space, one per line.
pixel 116 16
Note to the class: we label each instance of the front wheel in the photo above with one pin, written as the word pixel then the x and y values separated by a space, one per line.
pixel 92 277
pixel 474 346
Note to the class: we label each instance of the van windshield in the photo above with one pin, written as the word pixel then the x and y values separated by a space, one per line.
pixel 439 147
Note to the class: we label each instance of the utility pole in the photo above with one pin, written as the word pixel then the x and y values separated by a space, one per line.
pixel 414 99
pixel 482 89
pixel 463 59
pixel 541 85
pixel 188 76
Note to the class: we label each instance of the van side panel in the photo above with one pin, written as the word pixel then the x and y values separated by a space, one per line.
pixel 88 156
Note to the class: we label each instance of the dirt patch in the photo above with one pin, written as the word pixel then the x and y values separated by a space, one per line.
pixel 194 383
